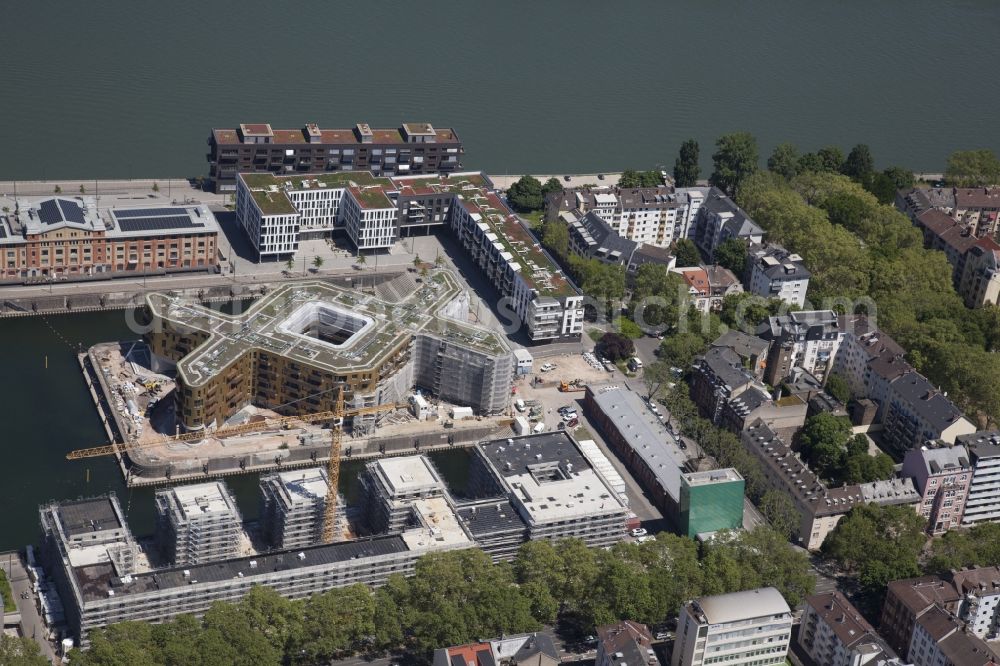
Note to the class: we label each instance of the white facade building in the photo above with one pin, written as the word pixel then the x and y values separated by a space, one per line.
pixel 983 501
pixel 750 628
pixel 777 273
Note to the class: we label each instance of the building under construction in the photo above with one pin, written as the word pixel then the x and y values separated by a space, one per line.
pixel 391 486
pixel 198 523
pixel 292 505
pixel 296 347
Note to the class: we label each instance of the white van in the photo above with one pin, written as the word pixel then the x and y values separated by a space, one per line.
pixel 634 364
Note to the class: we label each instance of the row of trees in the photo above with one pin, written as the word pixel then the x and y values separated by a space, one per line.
pixel 459 596
pixel 857 248
pixel 830 449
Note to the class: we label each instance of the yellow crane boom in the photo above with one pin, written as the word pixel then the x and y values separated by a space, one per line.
pixel 110 449
pixel 333 469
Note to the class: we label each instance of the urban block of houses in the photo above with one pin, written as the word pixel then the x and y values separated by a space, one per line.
pixel 942 476
pixel 962 223
pixel 627 643
pixel 820 507
pixel 833 633
pixel 522 650
pixel 591 237
pixel 807 339
pixel 951 615
pixel 375 211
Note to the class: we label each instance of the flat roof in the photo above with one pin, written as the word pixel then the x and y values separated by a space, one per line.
pixel 303 486
pixel 549 479
pixel 202 499
pixel 440 526
pixel 645 434
pixel 711 477
pixel 744 605
pixel 408 474
pixel 89 515
pixel 328 136
pixel 261 327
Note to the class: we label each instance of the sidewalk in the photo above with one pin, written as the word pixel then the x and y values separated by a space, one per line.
pixel 32 625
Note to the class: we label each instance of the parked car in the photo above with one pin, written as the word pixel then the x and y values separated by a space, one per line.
pixel 573 422
pixel 638 532
pixel 644 538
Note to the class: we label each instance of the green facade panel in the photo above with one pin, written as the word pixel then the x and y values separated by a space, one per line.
pixel 710 507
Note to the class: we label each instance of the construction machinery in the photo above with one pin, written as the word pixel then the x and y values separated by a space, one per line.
pixel 574 386
pixel 336 418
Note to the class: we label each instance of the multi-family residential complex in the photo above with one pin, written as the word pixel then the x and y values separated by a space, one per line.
pixel 66 237
pixel 198 523
pixel 820 507
pixel 708 285
pixel 521 650
pixel 983 501
pixel 376 211
pixel 866 358
pixel 720 219
pixel 295 346
pixel 942 476
pixel 751 628
pixel 292 507
pixel 833 633
pixel 692 502
pixel 962 223
pixel 916 413
pixel 936 620
pixel 774 272
pixel 806 339
pixel 591 237
pixel 627 643
pixel 391 487
pixel 415 148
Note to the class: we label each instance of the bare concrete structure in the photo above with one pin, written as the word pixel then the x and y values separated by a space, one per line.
pixel 292 505
pixel 391 486
pixel 198 523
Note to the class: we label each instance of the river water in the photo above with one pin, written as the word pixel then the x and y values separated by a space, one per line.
pixel 131 88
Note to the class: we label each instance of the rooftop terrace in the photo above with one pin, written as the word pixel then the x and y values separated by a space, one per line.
pixel 263 327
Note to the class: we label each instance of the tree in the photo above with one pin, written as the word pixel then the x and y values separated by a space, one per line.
pixel 687 253
pixel 878 544
pixel 628 328
pixel 57 190
pixel 810 163
pixel 784 160
pixel 780 512
pixel 656 375
pixel 972 168
pixel 832 158
pixel 362 260
pixel 417 261
pixel 550 186
pixel 901 178
pixel 246 643
pixel 20 652
pixel 859 165
pixel 679 350
pixel 686 168
pixel 629 178
pixel 555 236
pixel 317 262
pixel 335 622
pixel 156 186
pixel 290 263
pixel 735 159
pixel 83 190
pixel 837 386
pixel 615 347
pixel 822 442
pixel 732 254
pixel 759 558
pixel 526 194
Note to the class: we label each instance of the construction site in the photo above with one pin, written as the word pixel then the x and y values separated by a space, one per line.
pixel 211 394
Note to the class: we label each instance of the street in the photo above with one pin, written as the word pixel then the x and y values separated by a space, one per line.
pixel 32 625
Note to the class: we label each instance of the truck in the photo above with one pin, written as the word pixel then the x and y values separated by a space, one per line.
pixel 521 426
pixel 539 427
pixel 574 386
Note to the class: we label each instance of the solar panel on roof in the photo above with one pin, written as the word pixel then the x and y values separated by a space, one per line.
pixel 148 212
pixel 72 212
pixel 157 223
pixel 48 212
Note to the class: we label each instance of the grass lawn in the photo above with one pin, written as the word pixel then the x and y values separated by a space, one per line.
pixel 8 595
pixel 581 433
pixel 536 218
pixel 595 334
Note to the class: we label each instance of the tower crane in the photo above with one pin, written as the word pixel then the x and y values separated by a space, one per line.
pixel 336 418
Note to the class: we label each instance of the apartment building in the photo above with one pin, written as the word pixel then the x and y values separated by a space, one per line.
pixel 862 344
pixel 750 628
pixel 916 413
pixel 413 148
pixel 627 643
pixel 391 486
pixel 707 285
pixel 942 476
pixel 376 211
pixel 939 640
pixel 293 508
pixel 820 508
pixel 833 633
pixel 198 523
pixel 808 340
pixel 980 281
pixel 970 597
pixel 983 502
pixel 751 350
pixel 317 339
pixel 65 237
pixel 719 219
pixel 553 487
pixel 521 650
pixel 774 272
